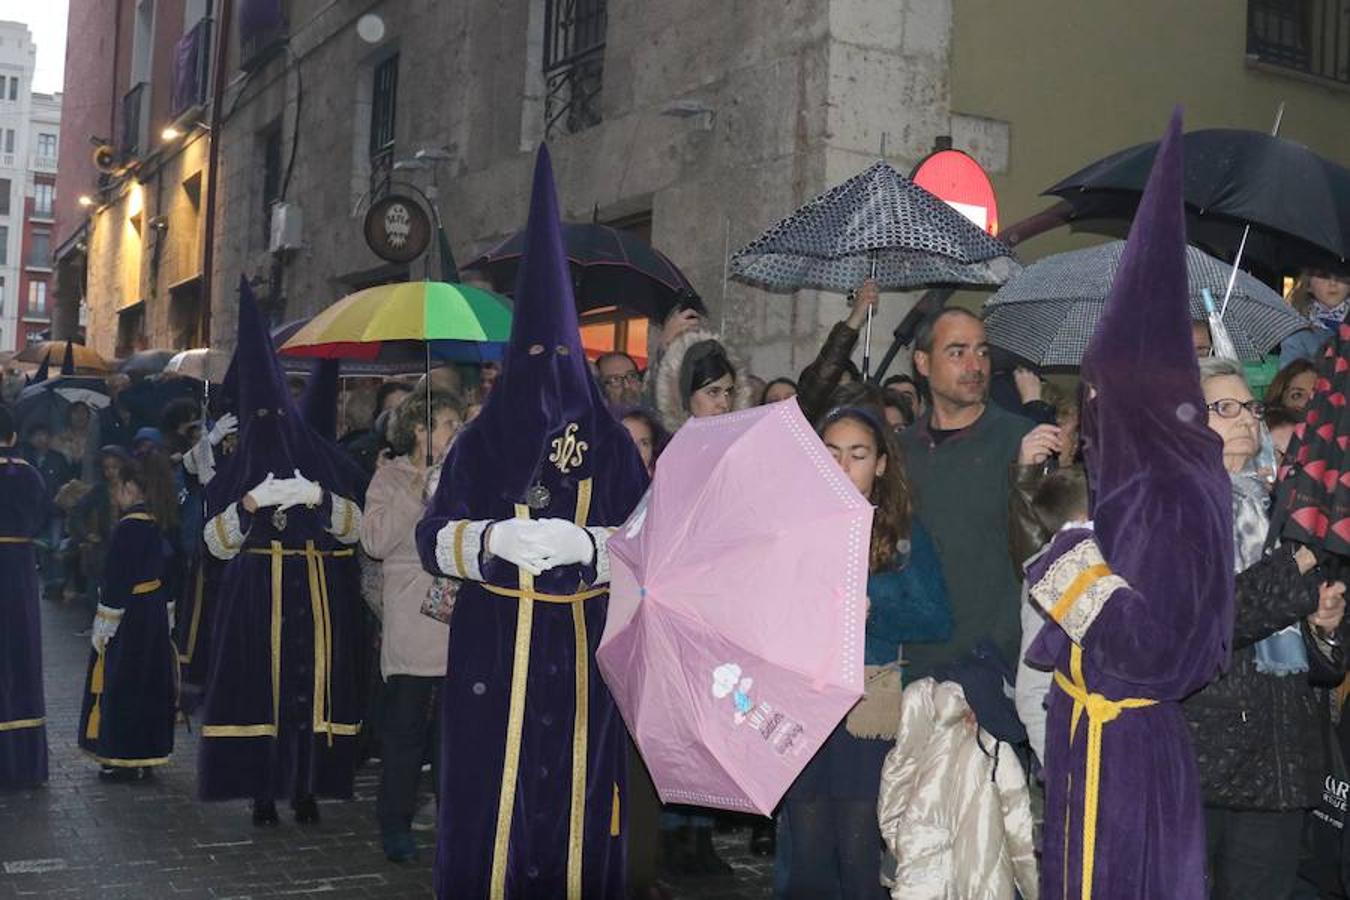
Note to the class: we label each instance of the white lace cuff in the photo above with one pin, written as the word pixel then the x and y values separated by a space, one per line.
pixel 223 535
pixel 458 547
pixel 346 520
pixel 600 534
pixel 201 461
pixel 1075 588
pixel 106 622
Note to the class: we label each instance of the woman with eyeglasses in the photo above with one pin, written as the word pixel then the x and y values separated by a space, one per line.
pixel 1257 729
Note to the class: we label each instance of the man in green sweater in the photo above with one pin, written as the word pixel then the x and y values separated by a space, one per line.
pixel 959 458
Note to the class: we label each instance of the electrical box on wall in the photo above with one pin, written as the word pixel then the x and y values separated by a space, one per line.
pixel 287 225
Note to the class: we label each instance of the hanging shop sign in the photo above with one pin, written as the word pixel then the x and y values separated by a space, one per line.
pixel 397 228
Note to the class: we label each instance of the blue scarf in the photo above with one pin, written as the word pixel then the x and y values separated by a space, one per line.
pixel 1328 319
pixel 1284 652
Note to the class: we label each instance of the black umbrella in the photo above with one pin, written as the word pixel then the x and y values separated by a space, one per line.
pixel 146 362
pixel 1296 202
pixel 46 401
pixel 1048 312
pixel 610 267
pixel 880 225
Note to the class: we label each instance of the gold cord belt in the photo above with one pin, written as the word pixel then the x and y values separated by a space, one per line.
pixel 526 596
pixel 323 645
pixel 1099 711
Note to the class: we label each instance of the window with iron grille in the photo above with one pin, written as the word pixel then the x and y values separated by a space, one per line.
pixel 574 58
pixel 44 192
pixel 1307 36
pixel 383 111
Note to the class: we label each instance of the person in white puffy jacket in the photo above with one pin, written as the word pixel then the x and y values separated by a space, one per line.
pixel 954 808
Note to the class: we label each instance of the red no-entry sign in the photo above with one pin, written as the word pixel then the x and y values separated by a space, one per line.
pixel 958 180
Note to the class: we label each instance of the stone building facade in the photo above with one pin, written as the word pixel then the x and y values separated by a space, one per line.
pixel 698 124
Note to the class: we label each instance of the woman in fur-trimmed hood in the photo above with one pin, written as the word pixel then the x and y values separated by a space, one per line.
pixel 697 377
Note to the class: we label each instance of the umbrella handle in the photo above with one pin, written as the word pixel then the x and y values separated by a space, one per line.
pixel 867 347
pixel 867 338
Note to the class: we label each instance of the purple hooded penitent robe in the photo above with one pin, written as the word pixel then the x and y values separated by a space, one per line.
pixel 283 700
pixel 533 748
pixel 1142 602
pixel 23 729
pixel 130 698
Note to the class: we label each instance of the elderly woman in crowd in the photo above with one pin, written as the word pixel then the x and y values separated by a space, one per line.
pixel 1257 730
pixel 415 611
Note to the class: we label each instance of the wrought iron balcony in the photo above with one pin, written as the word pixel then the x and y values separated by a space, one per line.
pixel 574 56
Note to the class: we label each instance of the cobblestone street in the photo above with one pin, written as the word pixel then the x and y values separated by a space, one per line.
pixel 80 837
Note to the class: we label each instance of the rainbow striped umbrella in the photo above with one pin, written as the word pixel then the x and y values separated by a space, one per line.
pixel 447 317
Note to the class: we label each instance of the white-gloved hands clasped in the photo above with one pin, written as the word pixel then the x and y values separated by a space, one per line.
pixel 539 545
pixel 299 491
pixel 518 542
pixel 268 492
pixel 565 543
pixel 225 426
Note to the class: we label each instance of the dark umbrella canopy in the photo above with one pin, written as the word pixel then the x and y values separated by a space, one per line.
pixel 609 267
pixel 46 401
pixel 877 224
pixel 1048 312
pixel 1313 498
pixel 1297 202
pixel 146 362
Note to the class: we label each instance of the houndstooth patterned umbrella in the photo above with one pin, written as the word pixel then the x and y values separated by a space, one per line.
pixel 1048 312
pixel 878 218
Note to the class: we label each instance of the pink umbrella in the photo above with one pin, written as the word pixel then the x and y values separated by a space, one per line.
pixel 734 643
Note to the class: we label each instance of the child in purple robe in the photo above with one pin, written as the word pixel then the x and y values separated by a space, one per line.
pixel 130 688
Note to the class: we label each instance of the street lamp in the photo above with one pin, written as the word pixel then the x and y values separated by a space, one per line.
pixel 170 133
pixel 85 200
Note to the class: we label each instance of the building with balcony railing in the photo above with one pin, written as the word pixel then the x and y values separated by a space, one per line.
pixel 30 127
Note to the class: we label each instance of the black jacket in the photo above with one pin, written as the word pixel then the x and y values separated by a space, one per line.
pixel 1259 739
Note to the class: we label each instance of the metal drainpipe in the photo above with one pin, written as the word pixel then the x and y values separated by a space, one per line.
pixel 212 165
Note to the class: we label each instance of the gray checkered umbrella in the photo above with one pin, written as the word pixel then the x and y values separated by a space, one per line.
pixel 1048 312
pixel 877 224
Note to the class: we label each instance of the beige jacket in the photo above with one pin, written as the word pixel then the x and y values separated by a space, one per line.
pixel 958 826
pixel 413 644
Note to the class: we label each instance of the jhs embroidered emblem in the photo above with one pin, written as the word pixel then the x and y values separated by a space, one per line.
pixel 567 450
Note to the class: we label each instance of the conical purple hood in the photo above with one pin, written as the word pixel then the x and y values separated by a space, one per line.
pixel 318 404
pixel 545 384
pixel 1149 410
pixel 273 436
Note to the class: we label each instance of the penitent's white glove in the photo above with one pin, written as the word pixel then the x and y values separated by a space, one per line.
pixel 565 543
pixel 299 491
pixel 225 426
pixel 518 541
pixel 268 492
